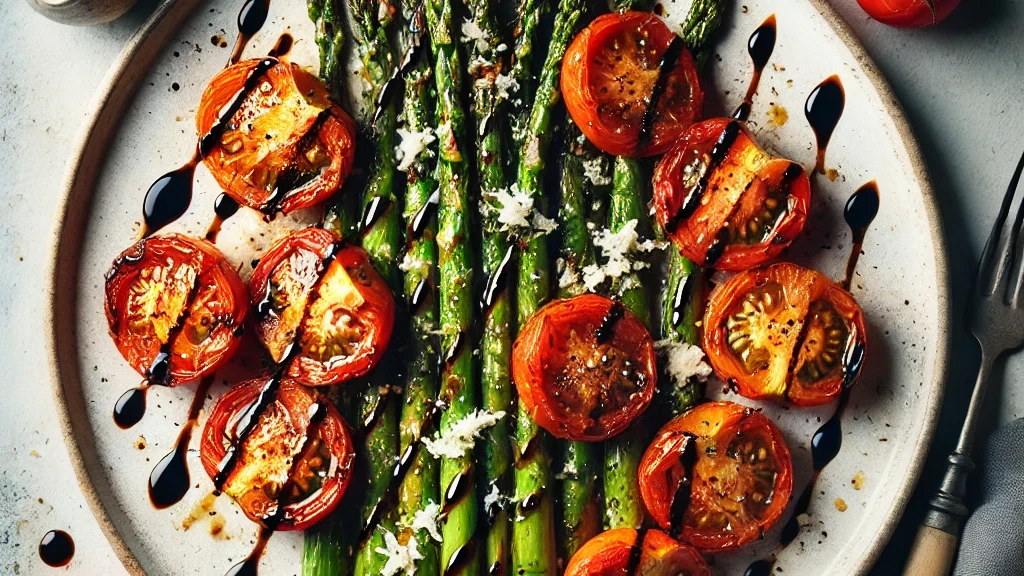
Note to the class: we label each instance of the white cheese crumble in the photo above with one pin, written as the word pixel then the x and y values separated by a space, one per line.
pixel 427 519
pixel 617 249
pixel 506 85
pixel 401 559
pixel 460 438
pixel 472 32
pixel 596 171
pixel 683 361
pixel 515 208
pixel 412 145
pixel 543 224
pixel 413 263
pixel 493 498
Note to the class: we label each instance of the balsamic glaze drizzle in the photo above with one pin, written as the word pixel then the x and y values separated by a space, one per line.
pixel 224 207
pixel 681 497
pixel 680 299
pixel 718 154
pixel 823 109
pixel 497 282
pixel 636 552
pixel 665 67
pixel 168 197
pixel 250 566
pixel 760 47
pixel 251 18
pixel 414 46
pixel 422 218
pixel 458 489
pixel 860 211
pixel 606 331
pixel 375 209
pixel 461 559
pixel 212 138
pixel 56 548
pixel 131 406
pixel 169 481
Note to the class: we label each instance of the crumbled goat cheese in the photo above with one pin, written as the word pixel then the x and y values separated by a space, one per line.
pixel 515 207
pixel 426 519
pixel 401 559
pixel 472 32
pixel 593 276
pixel 543 224
pixel 595 171
pixel 569 277
pixel 412 145
pixel 417 264
pixel 615 247
pixel 505 85
pixel 460 438
pixel 683 361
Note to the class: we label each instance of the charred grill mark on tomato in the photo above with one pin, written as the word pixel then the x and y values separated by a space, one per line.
pixel 606 331
pixel 717 156
pixel 213 136
pixel 860 211
pixel 823 109
pixel 681 496
pixel 760 47
pixel 169 481
pixel 665 67
pixel 295 176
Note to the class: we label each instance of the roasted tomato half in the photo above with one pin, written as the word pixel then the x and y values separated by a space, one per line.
pixel 312 287
pixel 282 145
pixel 727 203
pixel 785 332
pixel 584 368
pixel 718 476
pixel 613 553
pixel 611 73
pixel 174 306
pixel 297 453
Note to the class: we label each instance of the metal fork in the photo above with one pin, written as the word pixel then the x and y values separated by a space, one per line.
pixel 996 318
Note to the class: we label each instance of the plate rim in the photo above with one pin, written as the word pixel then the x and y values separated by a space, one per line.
pixel 118 89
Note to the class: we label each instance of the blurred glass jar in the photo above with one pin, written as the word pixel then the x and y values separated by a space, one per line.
pixel 82 12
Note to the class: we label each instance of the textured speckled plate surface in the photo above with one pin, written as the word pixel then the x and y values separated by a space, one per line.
pixel 142 126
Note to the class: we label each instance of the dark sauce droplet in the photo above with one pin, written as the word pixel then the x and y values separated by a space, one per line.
pixel 250 566
pixel 131 407
pixel 497 282
pixel 169 481
pixel 461 559
pixel 251 19
pixel 531 503
pixel 636 552
pixel 760 47
pixel 373 212
pixel 224 207
pixel 423 217
pixel 56 549
pixel 681 497
pixel 495 569
pixel 606 331
pixel 823 109
pixel 283 46
pixel 168 198
pixel 680 299
pixel 860 211
pixel 457 490
pixel 760 568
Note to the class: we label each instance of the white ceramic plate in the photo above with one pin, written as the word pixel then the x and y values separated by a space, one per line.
pixel 143 126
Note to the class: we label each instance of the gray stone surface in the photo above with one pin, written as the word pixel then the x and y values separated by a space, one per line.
pixel 960 85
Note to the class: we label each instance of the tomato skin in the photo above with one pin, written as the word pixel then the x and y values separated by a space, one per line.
pixel 545 381
pixel 801 289
pixel 714 426
pixel 272 147
pixel 608 554
pixel 909 13
pixel 292 402
pixel 583 89
pixel 735 191
pixel 367 301
pixel 218 299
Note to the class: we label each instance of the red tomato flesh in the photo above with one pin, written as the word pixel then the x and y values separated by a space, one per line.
pixel 611 553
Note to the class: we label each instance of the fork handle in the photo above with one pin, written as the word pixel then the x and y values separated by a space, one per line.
pixel 935 546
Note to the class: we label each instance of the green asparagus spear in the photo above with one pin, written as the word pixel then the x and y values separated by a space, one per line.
pixel 420 487
pixel 381 230
pixel 459 553
pixel 581 461
pixel 327 546
pixel 622 453
pixel 488 64
pixel 521 96
pixel 533 548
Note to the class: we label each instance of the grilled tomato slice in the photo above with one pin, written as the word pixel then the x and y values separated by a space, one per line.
pixel 624 551
pixel 281 450
pixel 584 368
pixel 312 287
pixel 611 73
pixel 174 306
pixel 785 332
pixel 727 203
pixel 281 144
pixel 717 476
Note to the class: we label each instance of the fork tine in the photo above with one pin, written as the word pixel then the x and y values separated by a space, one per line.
pixel 993 272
